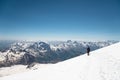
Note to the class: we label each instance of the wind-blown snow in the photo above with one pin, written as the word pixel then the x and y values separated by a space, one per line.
pixel 102 64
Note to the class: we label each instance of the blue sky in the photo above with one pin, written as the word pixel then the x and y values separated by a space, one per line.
pixel 60 19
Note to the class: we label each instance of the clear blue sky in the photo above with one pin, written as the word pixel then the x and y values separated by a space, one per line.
pixel 60 19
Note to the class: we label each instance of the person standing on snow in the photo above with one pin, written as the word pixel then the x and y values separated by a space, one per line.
pixel 88 50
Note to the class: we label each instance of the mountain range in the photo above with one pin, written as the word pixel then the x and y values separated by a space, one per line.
pixel 27 52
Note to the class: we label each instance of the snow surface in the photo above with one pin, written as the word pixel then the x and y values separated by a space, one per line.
pixel 12 70
pixel 5 71
pixel 102 64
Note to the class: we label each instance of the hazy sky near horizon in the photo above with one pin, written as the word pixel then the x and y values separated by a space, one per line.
pixel 60 19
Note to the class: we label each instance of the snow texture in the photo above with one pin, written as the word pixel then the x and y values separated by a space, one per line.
pixel 102 64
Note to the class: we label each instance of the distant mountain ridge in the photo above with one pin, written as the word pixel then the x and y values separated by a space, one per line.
pixel 24 52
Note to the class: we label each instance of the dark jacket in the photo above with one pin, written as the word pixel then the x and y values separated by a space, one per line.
pixel 88 49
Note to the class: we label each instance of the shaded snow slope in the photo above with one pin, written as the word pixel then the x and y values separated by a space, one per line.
pixel 102 64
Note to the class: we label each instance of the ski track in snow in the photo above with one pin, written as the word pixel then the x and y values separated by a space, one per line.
pixel 102 64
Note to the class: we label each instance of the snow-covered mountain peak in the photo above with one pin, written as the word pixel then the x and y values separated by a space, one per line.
pixel 102 64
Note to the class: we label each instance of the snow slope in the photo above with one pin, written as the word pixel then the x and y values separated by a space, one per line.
pixel 102 64
pixel 6 71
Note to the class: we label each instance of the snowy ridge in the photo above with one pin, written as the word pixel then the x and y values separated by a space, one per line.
pixel 102 64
